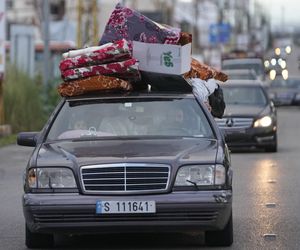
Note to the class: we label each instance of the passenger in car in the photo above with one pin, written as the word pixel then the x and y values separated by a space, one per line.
pixel 80 125
pixel 174 122
pixel 125 123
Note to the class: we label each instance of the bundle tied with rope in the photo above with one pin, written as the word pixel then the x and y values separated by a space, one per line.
pixel 203 80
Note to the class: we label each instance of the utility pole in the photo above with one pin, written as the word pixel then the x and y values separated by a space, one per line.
pixel 46 42
pixel 1 100
pixel 282 18
pixel 2 56
pixel 79 23
pixel 196 43
pixel 95 22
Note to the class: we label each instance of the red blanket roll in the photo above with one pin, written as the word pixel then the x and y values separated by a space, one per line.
pixel 204 72
pixel 127 69
pixel 118 51
pixel 92 84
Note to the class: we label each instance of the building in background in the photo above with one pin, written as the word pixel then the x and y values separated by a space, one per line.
pixel 217 26
pixel 29 13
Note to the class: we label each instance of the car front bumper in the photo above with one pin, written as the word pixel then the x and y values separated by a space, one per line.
pixel 175 212
pixel 282 101
pixel 250 137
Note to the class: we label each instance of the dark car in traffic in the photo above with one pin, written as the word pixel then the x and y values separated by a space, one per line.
pixel 285 92
pixel 250 118
pixel 242 74
pixel 138 162
pixel 254 63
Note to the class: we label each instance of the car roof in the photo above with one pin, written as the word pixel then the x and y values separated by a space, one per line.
pixel 125 95
pixel 238 71
pixel 243 83
pixel 242 60
pixel 294 77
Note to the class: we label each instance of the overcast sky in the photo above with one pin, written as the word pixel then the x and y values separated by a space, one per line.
pixel 285 12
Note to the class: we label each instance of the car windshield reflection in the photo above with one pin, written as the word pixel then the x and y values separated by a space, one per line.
pixel 244 95
pixel 134 118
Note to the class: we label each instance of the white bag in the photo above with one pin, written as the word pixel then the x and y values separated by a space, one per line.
pixel 202 89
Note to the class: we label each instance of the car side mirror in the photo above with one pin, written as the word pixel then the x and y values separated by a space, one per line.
pixel 27 139
pixel 272 104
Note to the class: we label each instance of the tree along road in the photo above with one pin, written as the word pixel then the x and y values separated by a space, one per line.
pixel 265 208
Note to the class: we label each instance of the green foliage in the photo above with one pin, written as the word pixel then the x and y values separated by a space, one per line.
pixel 7 140
pixel 51 96
pixel 26 102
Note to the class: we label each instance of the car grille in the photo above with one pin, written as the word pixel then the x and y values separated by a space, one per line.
pixel 204 216
pixel 231 122
pixel 125 178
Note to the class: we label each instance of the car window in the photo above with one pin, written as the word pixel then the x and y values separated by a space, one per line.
pixel 290 83
pixel 130 117
pixel 293 83
pixel 278 83
pixel 242 77
pixel 244 95
pixel 254 66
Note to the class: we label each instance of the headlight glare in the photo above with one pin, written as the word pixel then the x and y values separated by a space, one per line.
pixel 272 74
pixel 200 175
pixel 265 121
pixel 285 74
pixel 288 49
pixel 51 178
pixel 267 64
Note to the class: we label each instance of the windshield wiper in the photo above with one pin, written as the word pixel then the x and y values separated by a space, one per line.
pixel 194 183
pixel 50 183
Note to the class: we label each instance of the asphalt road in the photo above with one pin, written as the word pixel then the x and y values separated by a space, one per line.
pixel 265 209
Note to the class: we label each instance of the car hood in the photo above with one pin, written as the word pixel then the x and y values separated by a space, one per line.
pixel 79 153
pixel 243 110
pixel 286 91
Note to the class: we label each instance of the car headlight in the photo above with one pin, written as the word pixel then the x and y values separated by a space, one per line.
pixel 283 64
pixel 200 175
pixel 265 121
pixel 285 74
pixel 273 61
pixel 272 74
pixel 51 178
pixel 288 49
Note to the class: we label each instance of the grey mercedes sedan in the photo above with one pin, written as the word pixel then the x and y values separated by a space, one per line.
pixel 250 118
pixel 132 162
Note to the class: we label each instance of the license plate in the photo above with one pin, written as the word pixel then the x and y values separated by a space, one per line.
pixel 125 207
pixel 235 131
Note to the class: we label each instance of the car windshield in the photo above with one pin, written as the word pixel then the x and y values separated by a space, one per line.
pixel 242 76
pixel 258 68
pixel 281 83
pixel 293 83
pixel 130 117
pixel 244 95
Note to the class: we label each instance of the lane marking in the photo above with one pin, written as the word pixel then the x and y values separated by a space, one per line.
pixel 270 204
pixel 270 236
